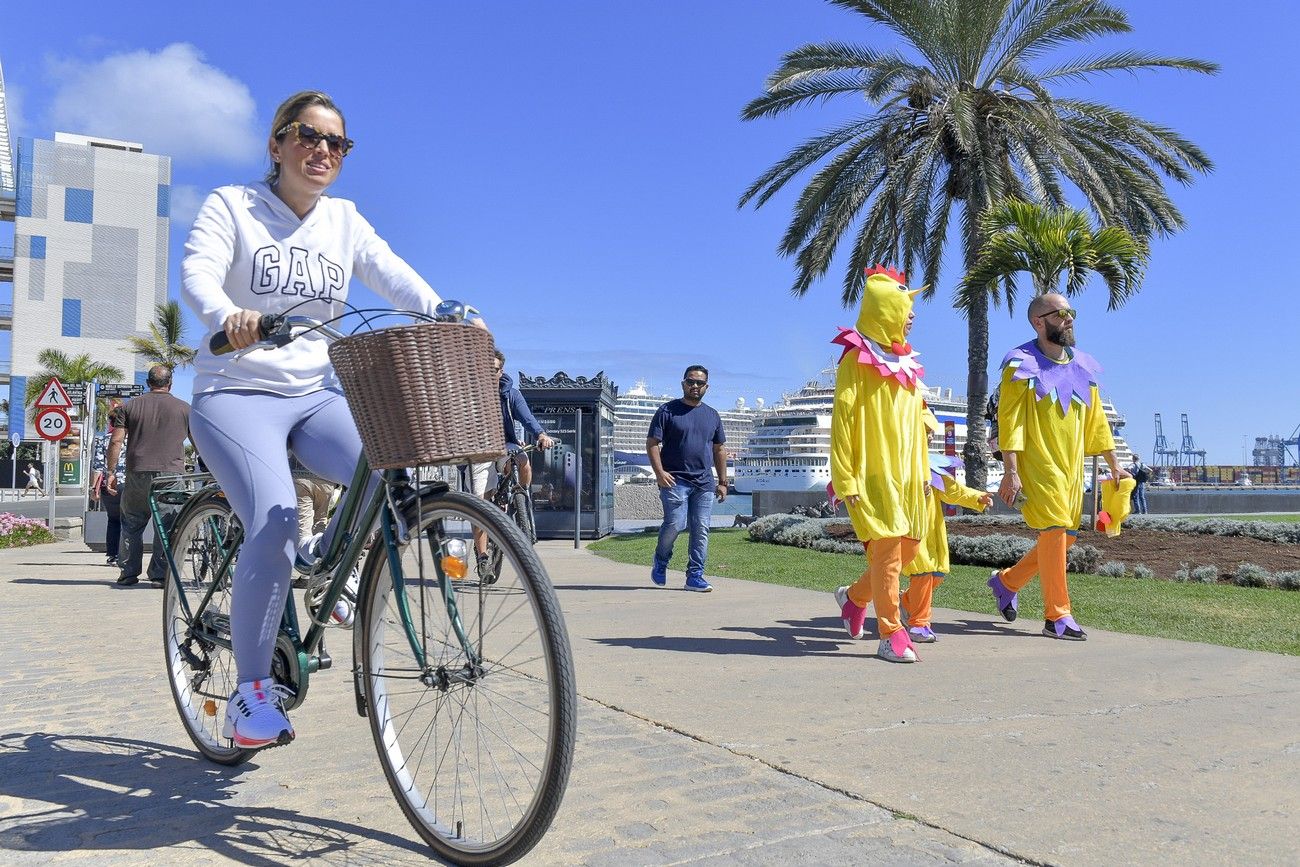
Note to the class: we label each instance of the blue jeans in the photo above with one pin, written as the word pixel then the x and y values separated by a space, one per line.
pixel 684 506
pixel 1140 499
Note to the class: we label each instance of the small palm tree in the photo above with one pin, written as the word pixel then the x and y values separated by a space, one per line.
pixel 1048 244
pixel 165 343
pixel 79 368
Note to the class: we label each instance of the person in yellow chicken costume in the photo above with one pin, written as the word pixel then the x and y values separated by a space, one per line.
pixel 930 566
pixel 878 454
pixel 1049 418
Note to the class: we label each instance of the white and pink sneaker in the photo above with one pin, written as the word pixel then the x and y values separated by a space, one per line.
pixel 255 715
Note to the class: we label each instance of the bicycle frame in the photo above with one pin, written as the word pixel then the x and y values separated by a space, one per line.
pixel 356 522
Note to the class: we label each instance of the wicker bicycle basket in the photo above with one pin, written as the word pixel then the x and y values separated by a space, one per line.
pixel 422 394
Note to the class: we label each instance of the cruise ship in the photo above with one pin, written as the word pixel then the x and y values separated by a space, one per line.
pixel 636 406
pixel 790 447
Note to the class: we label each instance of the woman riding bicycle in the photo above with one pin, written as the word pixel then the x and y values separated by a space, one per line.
pixel 264 248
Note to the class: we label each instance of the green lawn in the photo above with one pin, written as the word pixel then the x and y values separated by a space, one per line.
pixel 1232 616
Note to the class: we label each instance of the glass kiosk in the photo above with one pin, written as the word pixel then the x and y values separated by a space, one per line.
pixel 578 413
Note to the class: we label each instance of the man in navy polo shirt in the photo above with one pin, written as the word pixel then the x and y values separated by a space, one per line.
pixel 685 447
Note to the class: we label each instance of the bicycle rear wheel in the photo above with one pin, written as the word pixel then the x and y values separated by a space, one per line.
pixel 476 747
pixel 201 672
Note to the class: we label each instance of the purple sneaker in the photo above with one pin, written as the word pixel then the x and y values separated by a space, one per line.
pixel 922 634
pixel 1007 602
pixel 1065 628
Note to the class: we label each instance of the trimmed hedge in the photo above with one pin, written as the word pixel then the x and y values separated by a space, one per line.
pixel 1268 531
pixel 999 551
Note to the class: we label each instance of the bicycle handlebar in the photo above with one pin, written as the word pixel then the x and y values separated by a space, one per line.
pixel 277 329
pixel 220 343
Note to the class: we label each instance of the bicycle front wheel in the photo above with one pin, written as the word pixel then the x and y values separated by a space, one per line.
pixel 471 703
pixel 196 624
pixel 523 515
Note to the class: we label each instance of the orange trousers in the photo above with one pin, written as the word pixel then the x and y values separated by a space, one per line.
pixel 878 585
pixel 1047 560
pixel 918 597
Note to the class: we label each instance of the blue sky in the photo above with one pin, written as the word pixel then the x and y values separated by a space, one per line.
pixel 572 168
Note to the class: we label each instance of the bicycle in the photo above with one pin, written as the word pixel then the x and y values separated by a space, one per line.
pixel 467 683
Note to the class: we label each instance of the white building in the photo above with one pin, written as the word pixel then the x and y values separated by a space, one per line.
pixel 90 253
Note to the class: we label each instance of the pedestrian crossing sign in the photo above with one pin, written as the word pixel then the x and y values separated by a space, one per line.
pixel 55 396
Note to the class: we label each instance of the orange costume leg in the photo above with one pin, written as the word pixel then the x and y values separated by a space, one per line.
pixel 859 592
pixel 1046 558
pixel 884 566
pixel 919 597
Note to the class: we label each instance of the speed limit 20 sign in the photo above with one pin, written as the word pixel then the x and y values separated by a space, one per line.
pixel 53 424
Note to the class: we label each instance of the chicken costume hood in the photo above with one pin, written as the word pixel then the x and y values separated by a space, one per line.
pixel 879 337
pixel 878 450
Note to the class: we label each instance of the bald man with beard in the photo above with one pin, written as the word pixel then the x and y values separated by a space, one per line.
pixel 1049 418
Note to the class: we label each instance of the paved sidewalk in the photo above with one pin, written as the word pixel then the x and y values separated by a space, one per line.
pixel 738 727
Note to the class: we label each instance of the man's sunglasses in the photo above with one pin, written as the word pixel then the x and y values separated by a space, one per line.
pixel 1064 314
pixel 695 383
pixel 310 138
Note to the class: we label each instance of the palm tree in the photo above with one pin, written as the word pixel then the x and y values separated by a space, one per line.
pixel 79 368
pixel 165 343
pixel 1048 244
pixel 962 121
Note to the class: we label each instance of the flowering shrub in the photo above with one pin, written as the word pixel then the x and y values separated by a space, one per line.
pixel 17 531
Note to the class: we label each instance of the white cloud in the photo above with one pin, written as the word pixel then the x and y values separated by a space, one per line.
pixel 185 202
pixel 171 101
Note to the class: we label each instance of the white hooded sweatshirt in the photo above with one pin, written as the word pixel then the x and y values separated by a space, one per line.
pixel 248 250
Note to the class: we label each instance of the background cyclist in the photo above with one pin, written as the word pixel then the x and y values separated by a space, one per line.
pixel 513 409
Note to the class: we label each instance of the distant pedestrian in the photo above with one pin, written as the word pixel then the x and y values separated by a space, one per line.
pixel 685 450
pixel 34 482
pixel 112 502
pixel 157 424
pixel 1141 474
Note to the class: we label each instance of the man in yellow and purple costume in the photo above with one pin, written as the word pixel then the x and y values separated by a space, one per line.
pixel 879 463
pixel 1049 418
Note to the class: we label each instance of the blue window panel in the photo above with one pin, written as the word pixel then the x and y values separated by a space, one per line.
pixel 17 413
pixel 71 317
pixel 141 377
pixel 24 204
pixel 164 200
pixel 78 205
pixel 38 246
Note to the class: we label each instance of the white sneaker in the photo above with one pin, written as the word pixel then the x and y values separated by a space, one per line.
pixel 344 612
pixel 897 648
pixel 255 716
pixel 841 596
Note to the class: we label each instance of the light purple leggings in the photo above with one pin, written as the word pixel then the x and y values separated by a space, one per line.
pixel 244 437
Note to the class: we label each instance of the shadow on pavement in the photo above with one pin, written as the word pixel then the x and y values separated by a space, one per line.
pixel 607 587
pixel 104 793
pixel 822 636
pixel 107 581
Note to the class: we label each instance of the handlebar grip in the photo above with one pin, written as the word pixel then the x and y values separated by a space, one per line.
pixel 219 343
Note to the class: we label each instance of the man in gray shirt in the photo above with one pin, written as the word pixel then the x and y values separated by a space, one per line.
pixel 157 424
